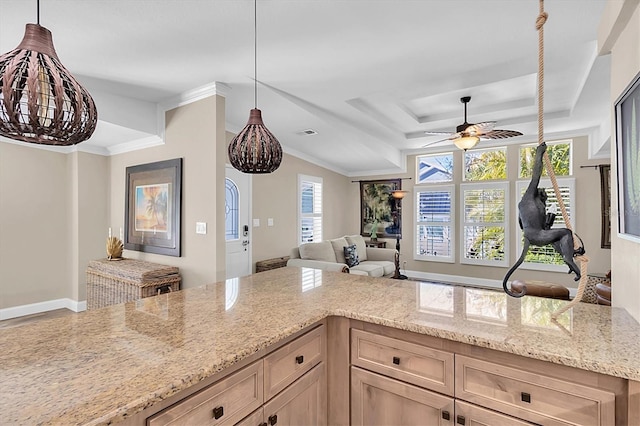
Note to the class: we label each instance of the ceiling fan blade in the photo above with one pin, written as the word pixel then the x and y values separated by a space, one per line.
pixel 500 134
pixel 479 129
pixel 439 133
pixel 454 136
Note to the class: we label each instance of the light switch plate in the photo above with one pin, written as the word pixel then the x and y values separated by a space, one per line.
pixel 256 223
pixel 201 228
pixel 270 221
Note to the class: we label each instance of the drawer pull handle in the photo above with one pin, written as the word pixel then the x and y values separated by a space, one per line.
pixel 218 412
pixel 299 359
pixel 263 424
pixel 525 397
pixel 273 419
pixel 396 360
pixel 460 420
pixel 446 415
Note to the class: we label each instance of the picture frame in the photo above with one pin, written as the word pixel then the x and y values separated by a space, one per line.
pixel 152 219
pixel 627 117
pixel 379 207
pixel 605 205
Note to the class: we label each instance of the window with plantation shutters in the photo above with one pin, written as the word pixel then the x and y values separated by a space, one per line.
pixel 435 223
pixel 546 258
pixel 310 209
pixel 484 214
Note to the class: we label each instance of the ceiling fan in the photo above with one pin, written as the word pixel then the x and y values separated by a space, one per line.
pixel 468 135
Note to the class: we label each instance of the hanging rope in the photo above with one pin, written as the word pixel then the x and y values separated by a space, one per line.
pixel 540 21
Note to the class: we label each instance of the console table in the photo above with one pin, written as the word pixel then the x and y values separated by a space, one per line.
pixel 379 244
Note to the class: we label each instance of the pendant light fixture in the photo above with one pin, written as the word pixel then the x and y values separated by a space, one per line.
pixel 40 101
pixel 255 149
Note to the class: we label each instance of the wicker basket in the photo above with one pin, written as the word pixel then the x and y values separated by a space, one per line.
pixel 266 265
pixel 111 282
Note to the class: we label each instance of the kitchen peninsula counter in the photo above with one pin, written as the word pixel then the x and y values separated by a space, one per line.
pixel 103 366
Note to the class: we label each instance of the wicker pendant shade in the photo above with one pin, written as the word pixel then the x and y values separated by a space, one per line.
pixel 255 149
pixel 40 101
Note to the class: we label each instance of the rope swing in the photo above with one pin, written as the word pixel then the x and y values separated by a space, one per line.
pixel 577 243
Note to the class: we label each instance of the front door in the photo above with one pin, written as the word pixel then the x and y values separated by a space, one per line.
pixel 237 230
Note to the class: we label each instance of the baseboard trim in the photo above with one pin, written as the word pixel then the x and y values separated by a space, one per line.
pixel 36 308
pixel 467 281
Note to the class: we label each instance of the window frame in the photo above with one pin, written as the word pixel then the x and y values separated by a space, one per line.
pixel 435 182
pixel 506 224
pixel 545 182
pixel 544 169
pixel 315 181
pixel 451 223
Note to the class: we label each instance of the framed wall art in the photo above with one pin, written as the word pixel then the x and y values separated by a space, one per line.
pixel 627 112
pixel 153 207
pixel 379 208
pixel 605 205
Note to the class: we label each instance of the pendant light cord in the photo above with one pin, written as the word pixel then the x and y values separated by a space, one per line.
pixel 255 53
pixel 38 12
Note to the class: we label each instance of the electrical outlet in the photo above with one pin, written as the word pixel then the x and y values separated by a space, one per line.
pixel 404 264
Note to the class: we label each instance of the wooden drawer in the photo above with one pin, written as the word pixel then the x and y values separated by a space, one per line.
pixel 285 365
pixel 420 365
pixel 229 399
pixel 532 396
pixel 380 401
pixel 472 415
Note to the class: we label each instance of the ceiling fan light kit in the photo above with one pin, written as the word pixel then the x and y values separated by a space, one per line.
pixel 466 142
pixel 40 101
pixel 467 135
pixel 255 149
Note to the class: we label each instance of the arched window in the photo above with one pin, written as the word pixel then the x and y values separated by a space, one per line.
pixel 231 201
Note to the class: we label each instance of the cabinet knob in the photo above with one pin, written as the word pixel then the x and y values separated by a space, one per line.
pixel 460 420
pixel 446 415
pixel 218 412
pixel 396 360
pixel 299 359
pixel 273 419
pixel 525 397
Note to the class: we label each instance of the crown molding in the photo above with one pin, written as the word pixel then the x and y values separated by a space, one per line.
pixel 193 95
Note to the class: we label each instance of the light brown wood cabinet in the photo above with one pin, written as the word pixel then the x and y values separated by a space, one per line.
pixel 395 379
pixel 379 400
pixel 285 387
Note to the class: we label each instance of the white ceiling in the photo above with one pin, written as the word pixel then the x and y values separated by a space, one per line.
pixel 369 76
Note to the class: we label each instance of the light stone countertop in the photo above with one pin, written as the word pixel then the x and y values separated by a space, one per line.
pixel 103 365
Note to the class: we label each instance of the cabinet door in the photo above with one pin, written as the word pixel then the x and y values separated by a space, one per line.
pixel 472 415
pixel 254 419
pixel 379 400
pixel 301 404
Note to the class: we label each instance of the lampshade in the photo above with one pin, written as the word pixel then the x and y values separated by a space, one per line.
pixel 255 149
pixel 466 142
pixel 398 194
pixel 40 101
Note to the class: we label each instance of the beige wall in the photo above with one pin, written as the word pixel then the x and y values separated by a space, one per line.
pixel 34 225
pixel 89 204
pixel 587 222
pixel 275 196
pixel 619 34
pixel 194 132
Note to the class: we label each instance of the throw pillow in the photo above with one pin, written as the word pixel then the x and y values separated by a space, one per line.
pixel 351 255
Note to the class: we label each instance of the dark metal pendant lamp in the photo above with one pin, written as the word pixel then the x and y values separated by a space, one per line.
pixel 255 149
pixel 40 101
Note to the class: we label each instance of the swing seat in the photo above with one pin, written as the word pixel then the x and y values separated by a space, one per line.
pixel 541 289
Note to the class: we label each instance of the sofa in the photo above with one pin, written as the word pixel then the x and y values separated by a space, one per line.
pixel 330 256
